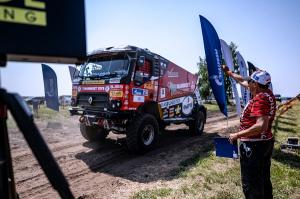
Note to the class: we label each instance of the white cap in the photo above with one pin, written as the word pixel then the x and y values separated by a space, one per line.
pixel 261 77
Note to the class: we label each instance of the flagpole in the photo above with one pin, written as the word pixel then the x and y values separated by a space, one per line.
pixel 227 121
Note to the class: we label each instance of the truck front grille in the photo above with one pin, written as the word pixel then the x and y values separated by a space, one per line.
pixel 93 101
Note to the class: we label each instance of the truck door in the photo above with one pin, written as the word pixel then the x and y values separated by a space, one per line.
pixel 143 89
pixel 143 72
pixel 147 75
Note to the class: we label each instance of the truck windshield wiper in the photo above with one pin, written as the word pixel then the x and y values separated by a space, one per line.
pixel 103 76
pixel 82 77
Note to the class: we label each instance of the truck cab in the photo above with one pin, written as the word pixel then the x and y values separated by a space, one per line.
pixel 132 91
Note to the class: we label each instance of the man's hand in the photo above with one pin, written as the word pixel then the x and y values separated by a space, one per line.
pixel 233 137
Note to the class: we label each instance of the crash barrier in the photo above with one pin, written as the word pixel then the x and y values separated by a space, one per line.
pixel 282 108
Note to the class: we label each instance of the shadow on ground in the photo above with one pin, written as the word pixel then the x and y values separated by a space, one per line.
pixel 287 157
pixel 277 127
pixel 287 123
pixel 287 130
pixel 285 117
pixel 176 152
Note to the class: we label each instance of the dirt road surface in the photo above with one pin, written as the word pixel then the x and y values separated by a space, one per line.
pixel 108 170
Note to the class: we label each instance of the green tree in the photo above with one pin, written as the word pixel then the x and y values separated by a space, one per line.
pixel 203 83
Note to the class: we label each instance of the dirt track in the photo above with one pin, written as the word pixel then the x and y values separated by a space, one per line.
pixel 107 170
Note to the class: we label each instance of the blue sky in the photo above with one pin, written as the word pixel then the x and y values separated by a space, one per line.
pixel 265 31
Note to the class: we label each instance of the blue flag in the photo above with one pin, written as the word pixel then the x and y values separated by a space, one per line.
pixel 50 86
pixel 251 68
pixel 73 72
pixel 213 54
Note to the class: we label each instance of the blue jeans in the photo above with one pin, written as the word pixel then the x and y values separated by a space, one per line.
pixel 255 161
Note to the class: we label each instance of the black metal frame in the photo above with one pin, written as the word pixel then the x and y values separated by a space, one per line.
pixel 24 120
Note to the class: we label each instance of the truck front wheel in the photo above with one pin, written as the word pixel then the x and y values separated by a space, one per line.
pixel 93 133
pixel 142 133
pixel 197 125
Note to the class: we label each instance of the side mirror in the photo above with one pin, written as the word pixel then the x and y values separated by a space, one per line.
pixel 141 61
pixel 138 78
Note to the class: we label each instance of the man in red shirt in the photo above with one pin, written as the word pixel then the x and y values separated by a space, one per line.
pixel 255 134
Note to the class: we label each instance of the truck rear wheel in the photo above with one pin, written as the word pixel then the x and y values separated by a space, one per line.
pixel 142 134
pixel 197 125
pixel 93 133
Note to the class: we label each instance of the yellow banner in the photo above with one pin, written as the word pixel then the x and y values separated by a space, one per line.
pixel 94 82
pixel 23 16
pixel 116 94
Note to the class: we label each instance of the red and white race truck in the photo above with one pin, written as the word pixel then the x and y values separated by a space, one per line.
pixel 133 91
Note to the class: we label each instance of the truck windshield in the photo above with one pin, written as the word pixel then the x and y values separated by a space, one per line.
pixel 105 67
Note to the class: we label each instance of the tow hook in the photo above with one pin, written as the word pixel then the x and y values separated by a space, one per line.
pixel 85 119
pixel 88 120
pixel 104 123
pixel 101 122
pixel 82 119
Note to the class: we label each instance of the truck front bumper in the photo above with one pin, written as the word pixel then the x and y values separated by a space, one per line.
pixel 100 113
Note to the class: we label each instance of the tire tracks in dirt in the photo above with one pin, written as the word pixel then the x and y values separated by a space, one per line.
pixel 80 159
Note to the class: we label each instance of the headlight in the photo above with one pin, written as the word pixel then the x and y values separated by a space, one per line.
pixel 115 104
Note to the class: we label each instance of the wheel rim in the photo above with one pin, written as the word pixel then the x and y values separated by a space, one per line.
pixel 147 135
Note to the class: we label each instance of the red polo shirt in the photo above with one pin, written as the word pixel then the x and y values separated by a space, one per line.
pixel 263 104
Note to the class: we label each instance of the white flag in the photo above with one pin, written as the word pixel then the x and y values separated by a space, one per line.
pixel 243 72
pixel 229 62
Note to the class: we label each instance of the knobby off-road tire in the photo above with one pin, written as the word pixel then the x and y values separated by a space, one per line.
pixel 93 133
pixel 197 125
pixel 142 134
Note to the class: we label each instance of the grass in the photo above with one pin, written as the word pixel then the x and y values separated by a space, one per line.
pixel 44 114
pixel 286 164
pixel 213 107
pixel 153 194
pixel 204 175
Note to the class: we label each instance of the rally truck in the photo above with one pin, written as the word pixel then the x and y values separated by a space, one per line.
pixel 132 91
